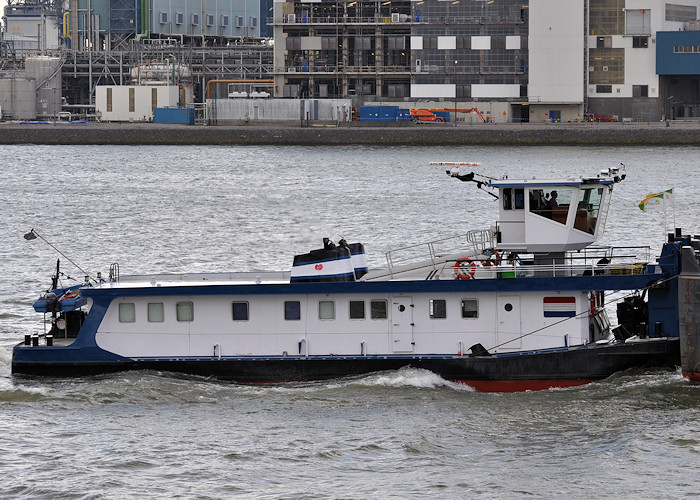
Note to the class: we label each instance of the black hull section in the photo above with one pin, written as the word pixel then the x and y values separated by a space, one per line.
pixel 563 367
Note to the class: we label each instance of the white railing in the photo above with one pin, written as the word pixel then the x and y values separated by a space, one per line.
pixel 434 253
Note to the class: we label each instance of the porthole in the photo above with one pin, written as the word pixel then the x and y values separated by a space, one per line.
pixel 508 307
pixel 402 308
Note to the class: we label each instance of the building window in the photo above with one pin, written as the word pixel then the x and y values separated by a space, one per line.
pixel 240 311
pixel 326 309
pixel 604 42
pixel 470 308
pixel 210 20
pixel 603 89
pixel 156 313
pixel 607 66
pixel 640 42
pixel 607 18
pixel 127 312
pixel 686 49
pixel 357 309
pixel 640 90
pixel 239 23
pixel 253 22
pixel 681 13
pixel 224 21
pixel 109 100
pixel 179 18
pixel 378 309
pixel 638 22
pixel 185 311
pixel 163 17
pixel 438 309
pixel 132 100
pixel 195 19
pixel 292 309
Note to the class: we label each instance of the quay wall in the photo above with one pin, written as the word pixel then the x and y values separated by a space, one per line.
pixel 632 134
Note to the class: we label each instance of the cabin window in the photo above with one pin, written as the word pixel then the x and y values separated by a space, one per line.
pixel 326 309
pixel 539 204
pixel 127 312
pixel 551 203
pixel 508 199
pixel 292 309
pixel 185 311
pixel 156 313
pixel 513 199
pixel 470 308
pixel 519 199
pixel 357 309
pixel 378 309
pixel 438 308
pixel 240 311
pixel 588 209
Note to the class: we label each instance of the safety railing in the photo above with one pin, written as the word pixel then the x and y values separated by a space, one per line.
pixel 433 254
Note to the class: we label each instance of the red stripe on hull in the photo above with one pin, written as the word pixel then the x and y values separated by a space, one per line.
pixel 522 385
pixel 560 300
pixel 692 376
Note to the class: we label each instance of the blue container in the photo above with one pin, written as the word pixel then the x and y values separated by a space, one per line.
pixel 378 113
pixel 403 115
pixel 183 116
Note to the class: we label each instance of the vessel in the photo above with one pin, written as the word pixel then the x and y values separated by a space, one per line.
pixel 517 306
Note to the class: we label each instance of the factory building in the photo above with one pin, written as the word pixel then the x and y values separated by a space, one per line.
pixel 549 60
pixel 542 60
pixel 200 23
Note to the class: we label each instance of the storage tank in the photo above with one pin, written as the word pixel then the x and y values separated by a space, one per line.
pixel 46 71
pixel 18 97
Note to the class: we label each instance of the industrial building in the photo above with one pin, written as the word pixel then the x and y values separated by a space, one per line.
pixel 550 60
pixel 515 61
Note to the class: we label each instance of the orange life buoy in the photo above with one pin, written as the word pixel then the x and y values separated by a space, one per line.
pixel 593 304
pixel 465 268
pixel 69 296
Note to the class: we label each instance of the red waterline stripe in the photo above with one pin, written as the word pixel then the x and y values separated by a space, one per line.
pixel 522 385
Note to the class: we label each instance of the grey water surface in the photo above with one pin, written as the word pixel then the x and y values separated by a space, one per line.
pixel 402 434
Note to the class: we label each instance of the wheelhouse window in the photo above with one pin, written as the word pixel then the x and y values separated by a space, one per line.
pixel 588 209
pixel 127 312
pixel 240 311
pixel 438 308
pixel 292 309
pixel 357 309
pixel 513 198
pixel 185 311
pixel 470 308
pixel 378 309
pixel 326 309
pixel 156 312
pixel 555 203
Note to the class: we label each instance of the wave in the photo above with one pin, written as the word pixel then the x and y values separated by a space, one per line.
pixel 410 377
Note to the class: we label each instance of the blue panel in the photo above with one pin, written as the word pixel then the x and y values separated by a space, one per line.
pixel 174 115
pixel 669 62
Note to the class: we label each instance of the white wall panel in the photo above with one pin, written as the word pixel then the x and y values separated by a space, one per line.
pixel 495 90
pixel 433 90
pixel 555 45
pixel 447 42
pixel 481 43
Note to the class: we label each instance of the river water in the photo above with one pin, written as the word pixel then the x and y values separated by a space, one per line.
pixel 404 434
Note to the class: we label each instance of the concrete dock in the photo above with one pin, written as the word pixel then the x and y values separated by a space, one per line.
pixel 426 134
